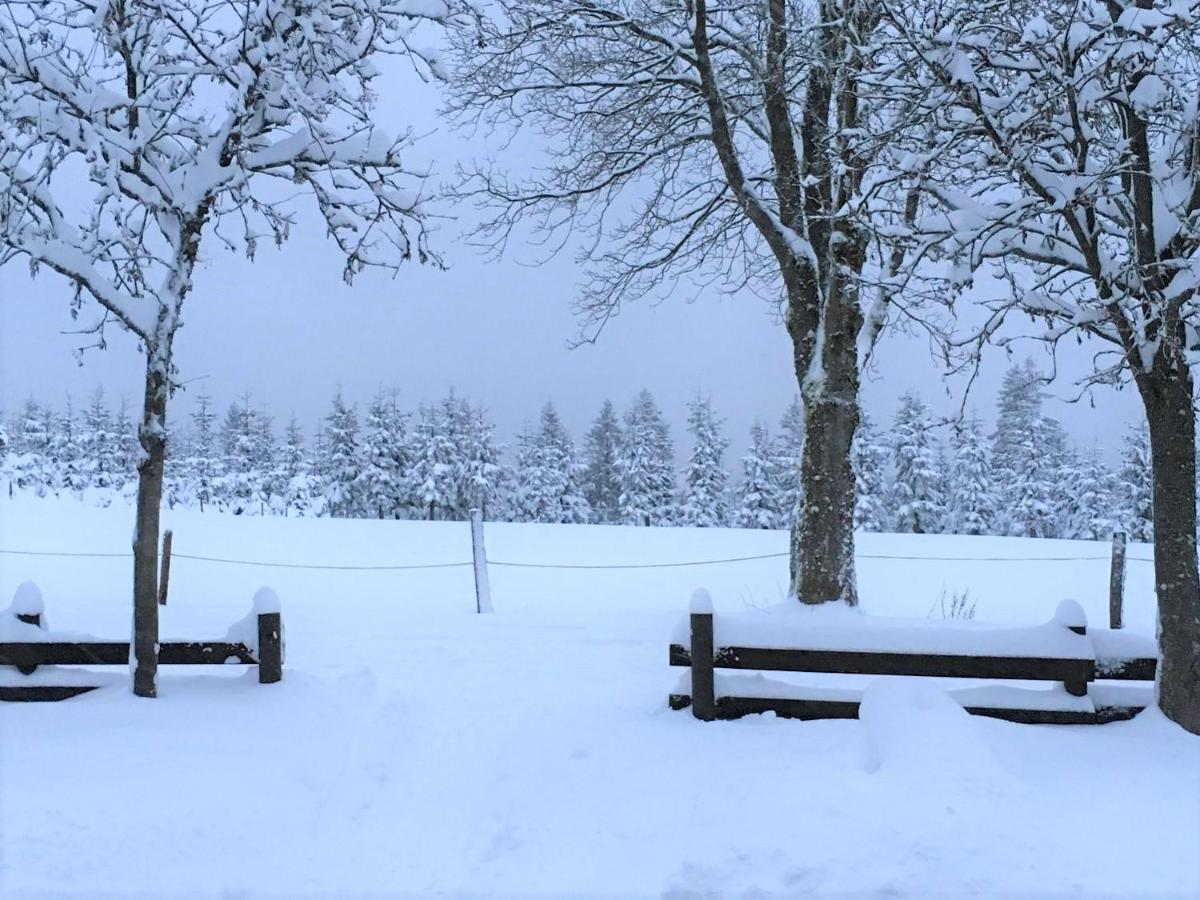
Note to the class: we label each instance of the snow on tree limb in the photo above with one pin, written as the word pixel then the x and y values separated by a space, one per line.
pixel 176 118
pixel 1077 124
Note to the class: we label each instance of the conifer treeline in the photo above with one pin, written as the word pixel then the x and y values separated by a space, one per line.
pixel 439 461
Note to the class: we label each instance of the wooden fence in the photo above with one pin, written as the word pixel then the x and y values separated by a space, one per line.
pixel 27 656
pixel 710 699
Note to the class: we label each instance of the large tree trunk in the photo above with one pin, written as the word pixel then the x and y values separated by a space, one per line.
pixel 153 439
pixel 1167 392
pixel 822 557
pixel 823 536
pixel 813 187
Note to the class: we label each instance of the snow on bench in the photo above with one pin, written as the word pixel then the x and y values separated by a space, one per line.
pixel 835 639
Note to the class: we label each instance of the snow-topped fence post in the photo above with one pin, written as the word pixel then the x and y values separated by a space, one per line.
pixel 704 699
pixel 130 132
pixel 270 636
pixel 28 607
pixel 483 589
pixel 1116 582
pixel 1071 615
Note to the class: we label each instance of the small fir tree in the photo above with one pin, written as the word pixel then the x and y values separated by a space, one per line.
pixel 916 496
pixel 645 464
pixel 705 480
pixel 972 497
pixel 601 474
pixel 759 505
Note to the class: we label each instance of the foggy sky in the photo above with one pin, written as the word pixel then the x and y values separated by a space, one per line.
pixel 288 330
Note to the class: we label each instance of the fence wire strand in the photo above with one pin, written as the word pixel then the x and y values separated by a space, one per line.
pixel 562 566
pixel 248 562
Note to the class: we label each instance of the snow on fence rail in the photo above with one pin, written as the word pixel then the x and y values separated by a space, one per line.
pixel 26 644
pixel 1060 651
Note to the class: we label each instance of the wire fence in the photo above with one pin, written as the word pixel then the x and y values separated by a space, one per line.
pixel 562 566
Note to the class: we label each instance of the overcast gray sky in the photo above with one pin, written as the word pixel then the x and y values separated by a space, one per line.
pixel 289 330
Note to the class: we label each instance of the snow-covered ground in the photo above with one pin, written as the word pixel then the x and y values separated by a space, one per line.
pixel 416 748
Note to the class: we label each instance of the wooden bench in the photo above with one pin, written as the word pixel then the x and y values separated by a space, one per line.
pixel 1088 659
pixel 27 656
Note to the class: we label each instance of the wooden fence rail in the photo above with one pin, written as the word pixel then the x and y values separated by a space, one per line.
pixel 27 656
pixel 710 700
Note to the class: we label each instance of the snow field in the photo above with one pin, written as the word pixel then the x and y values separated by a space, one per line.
pixel 417 748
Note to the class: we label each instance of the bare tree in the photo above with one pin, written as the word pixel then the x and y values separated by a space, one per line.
pixel 131 131
pixel 1068 150
pixel 734 145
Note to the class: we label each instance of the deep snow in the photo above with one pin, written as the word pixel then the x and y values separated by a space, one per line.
pixel 415 747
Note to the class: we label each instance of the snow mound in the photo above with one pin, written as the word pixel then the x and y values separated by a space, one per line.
pixel 266 601
pixel 916 729
pixel 1070 614
pixel 245 629
pixel 27 601
pixel 702 601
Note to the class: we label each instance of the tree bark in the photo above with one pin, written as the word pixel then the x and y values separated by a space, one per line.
pixel 822 558
pixel 153 440
pixel 1168 394
pixel 823 542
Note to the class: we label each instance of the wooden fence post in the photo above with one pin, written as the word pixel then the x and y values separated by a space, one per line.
pixel 483 590
pixel 29 619
pixel 1116 582
pixel 28 607
pixel 1077 687
pixel 270 647
pixel 704 701
pixel 165 570
pixel 1071 615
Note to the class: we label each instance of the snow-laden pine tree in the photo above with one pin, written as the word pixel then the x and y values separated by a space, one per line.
pixel 265 452
pixel 916 489
pixel 130 131
pixel 972 501
pixel 203 466
pixel 1090 513
pixel 66 452
pixel 342 464
pixel 705 481
pixel 759 502
pixel 601 475
pixel 548 476
pixel 525 502
pixel 789 449
pixel 384 459
pixel 1025 456
pixel 6 473
pixel 480 482
pixel 31 466
pixel 459 424
pixel 432 480
pixel 1136 485
pixel 128 449
pixel 302 489
pixel 318 456
pixel 646 466
pixel 248 449
pixel 100 445
pixel 870 458
pixel 1061 461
